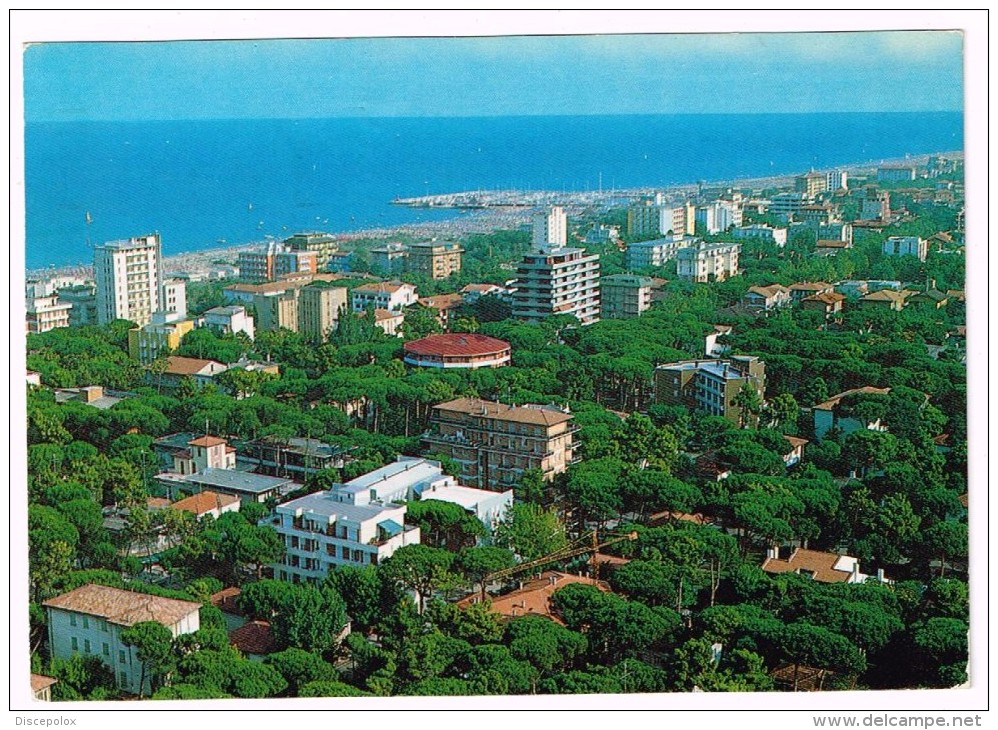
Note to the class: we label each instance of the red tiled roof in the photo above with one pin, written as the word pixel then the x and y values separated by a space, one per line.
pixel 123 607
pixel 866 389
pixel 204 502
pixel 661 518
pixel 795 442
pixel 225 600
pixel 443 301
pixel 40 682
pixel 457 344
pixel 177 365
pixel 534 597
pixel 831 243
pixel 820 563
pixel 207 441
pixel 539 415
pixel 254 637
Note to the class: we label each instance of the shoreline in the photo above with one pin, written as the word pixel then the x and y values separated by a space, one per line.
pixel 488 219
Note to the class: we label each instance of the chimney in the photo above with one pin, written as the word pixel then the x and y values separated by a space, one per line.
pixel 880 575
pixel 855 571
pixel 773 553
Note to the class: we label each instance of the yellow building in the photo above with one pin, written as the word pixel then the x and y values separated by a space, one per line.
pixel 145 344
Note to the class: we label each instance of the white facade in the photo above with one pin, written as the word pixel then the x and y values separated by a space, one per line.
pixel 644 254
pixel 392 296
pixel 46 313
pixel 489 507
pixel 128 274
pixel 231 319
pixel 175 297
pixel 838 180
pixel 708 261
pixel 321 532
pixel 558 281
pixel 89 621
pixel 906 246
pixel 761 232
pixel 550 229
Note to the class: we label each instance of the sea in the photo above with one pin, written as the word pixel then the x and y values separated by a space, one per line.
pixel 206 184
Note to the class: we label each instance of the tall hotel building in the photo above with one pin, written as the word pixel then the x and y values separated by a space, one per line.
pixel 554 279
pixel 129 276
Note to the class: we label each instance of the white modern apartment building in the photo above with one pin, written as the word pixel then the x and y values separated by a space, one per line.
pixel 129 276
pixel 719 216
pixel 837 180
pixel 704 262
pixel 657 252
pixel 88 621
pixel 390 295
pixel 760 232
pixel 175 297
pixel 558 281
pixel 44 313
pixel 550 228
pixel 906 246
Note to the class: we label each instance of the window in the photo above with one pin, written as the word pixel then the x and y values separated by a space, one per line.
pixel 106 650
pixel 75 643
pixel 345 553
pixel 103 625
pixel 121 656
pixel 72 619
pixel 123 678
pixel 86 645
pixel 86 622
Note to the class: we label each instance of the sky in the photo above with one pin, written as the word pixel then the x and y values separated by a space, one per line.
pixel 656 73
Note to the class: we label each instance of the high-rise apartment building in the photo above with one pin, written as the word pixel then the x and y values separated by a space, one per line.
pixel 436 260
pixel 129 276
pixel 175 297
pixel 319 310
pixel 837 180
pixel 654 253
pixel 554 279
pixel 550 229
pixel 495 443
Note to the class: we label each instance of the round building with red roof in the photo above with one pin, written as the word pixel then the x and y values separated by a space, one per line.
pixel 457 350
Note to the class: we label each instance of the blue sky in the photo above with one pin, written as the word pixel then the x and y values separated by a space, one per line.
pixel 609 74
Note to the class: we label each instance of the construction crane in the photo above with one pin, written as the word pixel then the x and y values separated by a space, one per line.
pixel 585 544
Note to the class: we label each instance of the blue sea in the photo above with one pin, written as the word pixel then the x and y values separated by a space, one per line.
pixel 201 182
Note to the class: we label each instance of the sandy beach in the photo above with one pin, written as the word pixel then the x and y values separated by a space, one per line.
pixel 485 220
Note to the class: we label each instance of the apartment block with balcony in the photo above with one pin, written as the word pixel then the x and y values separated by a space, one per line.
pixel 128 275
pixel 704 262
pixel 162 335
pixel 437 260
pixel 46 313
pixel 323 245
pixel 558 281
pixel 655 253
pixel 624 295
pixel 229 320
pixel 811 184
pixel 495 443
pixel 393 296
pixel 319 310
pixel 321 531
pixel 710 385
